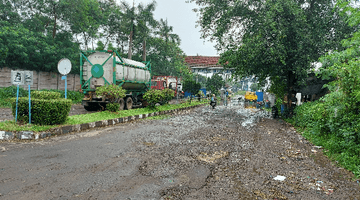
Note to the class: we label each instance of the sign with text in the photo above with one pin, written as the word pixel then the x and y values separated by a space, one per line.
pixel 22 77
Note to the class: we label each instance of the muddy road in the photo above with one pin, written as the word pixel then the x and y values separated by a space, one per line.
pixel 225 153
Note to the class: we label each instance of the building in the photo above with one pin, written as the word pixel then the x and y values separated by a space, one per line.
pixel 207 66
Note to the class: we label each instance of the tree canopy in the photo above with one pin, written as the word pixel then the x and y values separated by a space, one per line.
pixel 36 34
pixel 215 83
pixel 279 39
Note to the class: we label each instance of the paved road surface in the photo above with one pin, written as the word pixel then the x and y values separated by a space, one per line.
pixel 207 154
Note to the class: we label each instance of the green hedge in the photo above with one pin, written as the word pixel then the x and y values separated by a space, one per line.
pixel 10 92
pixel 75 96
pixel 45 95
pixel 43 112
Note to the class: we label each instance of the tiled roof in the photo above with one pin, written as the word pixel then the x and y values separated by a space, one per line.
pixel 204 60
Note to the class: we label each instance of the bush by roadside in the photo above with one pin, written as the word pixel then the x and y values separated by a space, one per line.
pixel 328 124
pixel 47 108
pixel 10 92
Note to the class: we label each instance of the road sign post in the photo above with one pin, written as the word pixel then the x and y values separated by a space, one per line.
pixel 64 67
pixel 17 99
pixel 29 106
pixel 22 78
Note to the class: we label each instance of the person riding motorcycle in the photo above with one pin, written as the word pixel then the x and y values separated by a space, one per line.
pixel 213 101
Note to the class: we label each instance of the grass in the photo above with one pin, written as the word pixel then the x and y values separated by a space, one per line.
pixel 338 150
pixel 93 117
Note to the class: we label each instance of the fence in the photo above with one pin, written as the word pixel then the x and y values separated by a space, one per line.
pixel 43 80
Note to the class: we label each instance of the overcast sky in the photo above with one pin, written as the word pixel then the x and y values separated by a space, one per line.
pixel 183 20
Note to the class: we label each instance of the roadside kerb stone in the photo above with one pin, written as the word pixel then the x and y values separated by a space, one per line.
pixel 76 128
pixel 56 131
pixel 25 135
pixel 44 135
pixel 92 125
pixel 111 122
pixel 84 126
pixel 6 135
pixel 67 129
pixel 121 120
pixel 99 124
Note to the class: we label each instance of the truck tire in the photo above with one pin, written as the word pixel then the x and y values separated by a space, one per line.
pixel 121 102
pixel 129 103
pixel 92 107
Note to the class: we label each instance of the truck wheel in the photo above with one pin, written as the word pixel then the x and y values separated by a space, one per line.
pixel 129 103
pixel 121 101
pixel 91 107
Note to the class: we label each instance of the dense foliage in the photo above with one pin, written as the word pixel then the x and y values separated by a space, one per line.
pixel 36 34
pixel 111 92
pixel 215 83
pixel 152 97
pixel 276 38
pixel 334 121
pixel 10 92
pixel 46 108
pixel 113 107
pixel 45 95
pixel 191 86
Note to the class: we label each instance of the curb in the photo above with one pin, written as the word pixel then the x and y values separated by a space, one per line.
pixel 30 135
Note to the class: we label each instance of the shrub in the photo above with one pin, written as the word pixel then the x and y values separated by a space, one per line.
pixel 45 95
pixel 152 97
pixel 158 96
pixel 10 92
pixel 111 92
pixel 167 95
pixel 113 107
pixel 75 96
pixel 43 111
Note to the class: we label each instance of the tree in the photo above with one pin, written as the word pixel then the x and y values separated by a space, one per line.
pixel 137 22
pixel 277 38
pixel 215 83
pixel 192 87
pixel 165 32
pixel 166 58
pixel 21 48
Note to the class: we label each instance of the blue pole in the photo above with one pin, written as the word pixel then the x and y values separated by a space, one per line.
pixel 29 106
pixel 17 99
pixel 65 86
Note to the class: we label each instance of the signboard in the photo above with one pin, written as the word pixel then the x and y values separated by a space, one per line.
pixel 64 66
pixel 22 77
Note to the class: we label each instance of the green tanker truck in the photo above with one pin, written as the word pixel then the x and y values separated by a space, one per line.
pixel 98 68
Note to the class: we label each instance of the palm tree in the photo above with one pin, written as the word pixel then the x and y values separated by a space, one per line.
pixel 165 32
pixel 146 20
pixel 138 20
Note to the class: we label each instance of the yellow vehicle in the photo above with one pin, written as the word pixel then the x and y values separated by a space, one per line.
pixel 250 100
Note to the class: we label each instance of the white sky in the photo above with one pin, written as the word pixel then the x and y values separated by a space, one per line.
pixel 183 20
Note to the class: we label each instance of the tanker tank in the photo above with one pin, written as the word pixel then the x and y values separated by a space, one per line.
pixel 132 74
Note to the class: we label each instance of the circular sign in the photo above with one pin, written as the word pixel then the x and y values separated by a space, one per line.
pixel 97 71
pixel 64 66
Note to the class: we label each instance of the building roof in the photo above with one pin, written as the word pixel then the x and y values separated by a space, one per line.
pixel 202 60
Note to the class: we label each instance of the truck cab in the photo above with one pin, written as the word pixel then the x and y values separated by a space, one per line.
pixel 158 84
